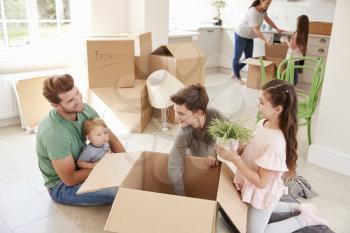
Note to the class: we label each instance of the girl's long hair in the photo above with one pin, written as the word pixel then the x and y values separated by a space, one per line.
pixel 302 33
pixel 283 93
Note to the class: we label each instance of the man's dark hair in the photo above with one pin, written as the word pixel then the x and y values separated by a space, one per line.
pixel 56 85
pixel 194 97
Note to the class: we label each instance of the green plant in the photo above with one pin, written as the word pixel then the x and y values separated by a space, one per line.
pixel 218 5
pixel 227 130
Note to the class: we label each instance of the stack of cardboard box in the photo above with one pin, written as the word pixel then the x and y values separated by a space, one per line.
pixel 116 67
pixel 115 63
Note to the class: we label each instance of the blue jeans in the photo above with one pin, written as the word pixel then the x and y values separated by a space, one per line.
pixel 297 71
pixel 64 194
pixel 241 45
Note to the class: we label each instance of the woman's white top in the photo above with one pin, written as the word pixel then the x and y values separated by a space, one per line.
pixel 252 19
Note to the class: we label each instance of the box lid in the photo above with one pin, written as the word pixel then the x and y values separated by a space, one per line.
pixel 110 171
pixel 180 51
pixel 136 211
pixel 256 62
pixel 142 41
pixel 230 199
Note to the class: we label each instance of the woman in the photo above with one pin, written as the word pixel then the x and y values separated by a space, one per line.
pixel 249 29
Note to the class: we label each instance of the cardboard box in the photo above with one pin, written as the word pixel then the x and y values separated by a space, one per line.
pixel 145 202
pixel 320 28
pixel 32 105
pixel 274 55
pixel 115 60
pixel 125 110
pixel 184 60
pixel 144 43
pixel 111 62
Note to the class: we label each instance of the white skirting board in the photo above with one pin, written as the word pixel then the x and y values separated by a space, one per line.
pixel 335 161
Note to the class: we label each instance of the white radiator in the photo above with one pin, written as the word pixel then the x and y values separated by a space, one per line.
pixel 8 102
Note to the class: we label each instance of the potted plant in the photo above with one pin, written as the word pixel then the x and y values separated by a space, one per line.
pixel 229 133
pixel 218 5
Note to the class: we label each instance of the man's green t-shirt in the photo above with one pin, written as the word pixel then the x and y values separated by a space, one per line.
pixel 58 138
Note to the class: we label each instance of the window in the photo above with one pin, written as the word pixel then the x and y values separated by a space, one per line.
pixel 24 22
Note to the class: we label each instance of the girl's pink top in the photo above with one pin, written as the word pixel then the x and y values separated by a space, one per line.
pixel 266 150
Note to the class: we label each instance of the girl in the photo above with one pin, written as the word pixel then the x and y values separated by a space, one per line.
pixel 270 153
pixel 247 30
pixel 298 42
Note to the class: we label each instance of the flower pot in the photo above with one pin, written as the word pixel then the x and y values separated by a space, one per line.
pixel 230 144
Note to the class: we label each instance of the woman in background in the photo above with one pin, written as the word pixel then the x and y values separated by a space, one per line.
pixel 247 30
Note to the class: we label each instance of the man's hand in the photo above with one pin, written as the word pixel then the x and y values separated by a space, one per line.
pixel 65 169
pixel 212 162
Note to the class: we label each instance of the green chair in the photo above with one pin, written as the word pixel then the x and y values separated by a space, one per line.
pixel 286 69
pixel 263 81
pixel 307 102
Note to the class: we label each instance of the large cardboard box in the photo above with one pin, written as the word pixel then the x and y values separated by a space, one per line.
pixel 184 60
pixel 115 60
pixel 111 62
pixel 145 202
pixel 274 55
pixel 125 110
pixel 320 28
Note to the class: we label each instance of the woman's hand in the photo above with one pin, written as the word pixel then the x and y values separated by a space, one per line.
pixel 229 155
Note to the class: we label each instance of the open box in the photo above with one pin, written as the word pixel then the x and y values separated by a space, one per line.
pixel 184 60
pixel 274 55
pixel 145 200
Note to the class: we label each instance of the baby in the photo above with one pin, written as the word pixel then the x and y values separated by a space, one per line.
pixel 96 132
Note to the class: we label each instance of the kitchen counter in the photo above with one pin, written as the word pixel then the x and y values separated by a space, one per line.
pixel 196 28
pixel 182 33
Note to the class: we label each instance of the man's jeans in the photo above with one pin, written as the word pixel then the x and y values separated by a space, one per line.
pixel 64 194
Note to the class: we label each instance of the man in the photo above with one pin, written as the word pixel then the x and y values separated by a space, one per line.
pixel 190 104
pixel 60 140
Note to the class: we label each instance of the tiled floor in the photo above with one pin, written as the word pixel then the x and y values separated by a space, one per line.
pixel 25 206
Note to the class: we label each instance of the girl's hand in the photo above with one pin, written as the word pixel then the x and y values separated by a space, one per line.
pixel 229 155
pixel 241 148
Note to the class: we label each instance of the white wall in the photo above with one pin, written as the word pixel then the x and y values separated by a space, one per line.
pixel 109 16
pixel 136 16
pixel 157 21
pixel 284 13
pixel 331 147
